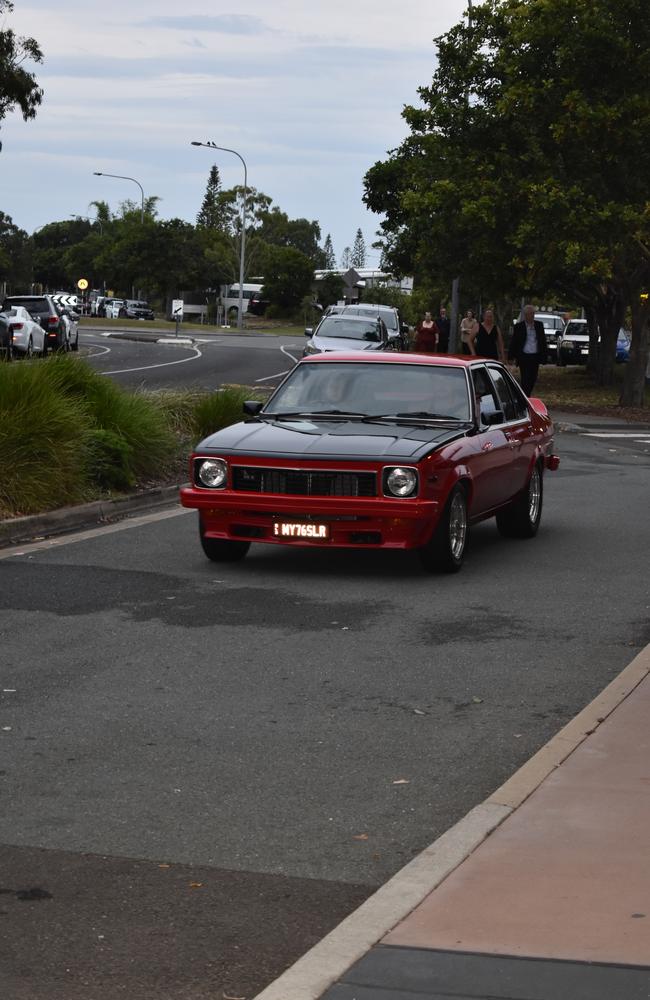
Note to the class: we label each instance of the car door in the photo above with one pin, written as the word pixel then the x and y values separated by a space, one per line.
pixel 492 475
pixel 518 428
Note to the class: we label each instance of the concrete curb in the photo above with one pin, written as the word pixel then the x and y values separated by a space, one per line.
pixel 327 961
pixel 56 522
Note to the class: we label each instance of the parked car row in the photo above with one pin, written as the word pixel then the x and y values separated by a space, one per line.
pixel 36 324
pixel 113 308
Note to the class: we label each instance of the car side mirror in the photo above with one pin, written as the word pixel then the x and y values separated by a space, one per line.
pixel 405 328
pixel 309 331
pixel 252 407
pixel 494 417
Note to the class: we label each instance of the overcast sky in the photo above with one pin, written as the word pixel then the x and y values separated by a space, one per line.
pixel 310 94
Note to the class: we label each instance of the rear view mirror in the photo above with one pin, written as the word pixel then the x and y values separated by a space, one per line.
pixel 252 407
pixel 309 331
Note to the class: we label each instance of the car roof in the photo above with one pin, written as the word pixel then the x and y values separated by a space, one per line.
pixel 348 318
pixel 396 358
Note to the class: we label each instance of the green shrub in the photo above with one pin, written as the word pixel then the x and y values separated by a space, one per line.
pixel 109 460
pixel 220 409
pixel 42 436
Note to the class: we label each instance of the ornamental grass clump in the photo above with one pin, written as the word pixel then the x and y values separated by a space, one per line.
pixel 42 439
pixel 69 434
pixel 221 409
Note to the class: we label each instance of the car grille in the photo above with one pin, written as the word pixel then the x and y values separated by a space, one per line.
pixel 304 482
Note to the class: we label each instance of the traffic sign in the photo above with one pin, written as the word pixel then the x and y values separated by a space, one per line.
pixel 82 284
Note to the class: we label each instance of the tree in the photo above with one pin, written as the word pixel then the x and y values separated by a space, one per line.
pixel 18 87
pixel 288 275
pixel 527 164
pixel 346 258
pixel 358 257
pixel 329 255
pixel 15 255
pixel 213 214
pixel 330 289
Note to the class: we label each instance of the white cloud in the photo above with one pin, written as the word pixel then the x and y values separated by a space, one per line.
pixel 310 94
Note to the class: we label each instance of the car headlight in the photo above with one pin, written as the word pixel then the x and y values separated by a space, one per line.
pixel 310 349
pixel 400 482
pixel 212 472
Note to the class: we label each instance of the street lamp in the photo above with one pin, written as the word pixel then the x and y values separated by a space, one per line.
pixel 225 149
pixel 121 177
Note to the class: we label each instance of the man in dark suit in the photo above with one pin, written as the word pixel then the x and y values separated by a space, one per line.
pixel 443 323
pixel 528 348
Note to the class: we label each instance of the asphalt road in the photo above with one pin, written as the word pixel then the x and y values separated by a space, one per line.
pixel 205 364
pixel 204 768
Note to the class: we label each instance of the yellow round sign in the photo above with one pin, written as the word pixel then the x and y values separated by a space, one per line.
pixel 82 284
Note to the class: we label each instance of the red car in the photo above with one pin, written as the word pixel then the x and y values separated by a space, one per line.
pixel 393 451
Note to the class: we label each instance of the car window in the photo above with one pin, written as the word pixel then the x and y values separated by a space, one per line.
pixel 387 315
pixel 36 307
pixel 339 326
pixel 509 401
pixel 374 389
pixel 573 329
pixel 486 399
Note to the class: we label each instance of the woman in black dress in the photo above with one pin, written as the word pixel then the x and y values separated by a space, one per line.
pixel 488 341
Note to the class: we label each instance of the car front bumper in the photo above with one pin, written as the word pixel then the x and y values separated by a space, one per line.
pixel 379 522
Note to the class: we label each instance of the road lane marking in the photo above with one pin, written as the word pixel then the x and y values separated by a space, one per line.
pixel 617 434
pixel 287 354
pixel 164 364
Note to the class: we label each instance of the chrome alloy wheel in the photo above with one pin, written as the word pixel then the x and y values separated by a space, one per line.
pixel 457 525
pixel 534 495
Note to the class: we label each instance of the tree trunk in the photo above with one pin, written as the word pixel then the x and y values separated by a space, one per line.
pixel 594 348
pixel 633 391
pixel 610 311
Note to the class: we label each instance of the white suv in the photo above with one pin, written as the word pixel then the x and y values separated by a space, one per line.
pixel 553 326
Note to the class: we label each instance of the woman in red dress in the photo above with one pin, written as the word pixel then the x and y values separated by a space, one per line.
pixel 426 336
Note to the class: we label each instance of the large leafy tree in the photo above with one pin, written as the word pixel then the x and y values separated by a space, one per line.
pixel 527 164
pixel 288 277
pixel 15 255
pixel 18 86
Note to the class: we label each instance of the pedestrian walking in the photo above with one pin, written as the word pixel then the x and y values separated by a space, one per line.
pixel 468 331
pixel 488 341
pixel 528 348
pixel 426 335
pixel 444 325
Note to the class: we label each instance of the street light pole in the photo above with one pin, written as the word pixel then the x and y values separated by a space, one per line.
pixel 121 177
pixel 225 149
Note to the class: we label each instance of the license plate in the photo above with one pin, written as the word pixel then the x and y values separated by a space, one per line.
pixel 298 530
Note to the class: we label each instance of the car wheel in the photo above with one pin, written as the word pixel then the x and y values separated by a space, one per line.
pixel 445 551
pixel 222 549
pixel 29 352
pixel 75 346
pixel 520 519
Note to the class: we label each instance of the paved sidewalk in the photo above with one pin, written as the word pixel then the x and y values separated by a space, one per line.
pixel 554 903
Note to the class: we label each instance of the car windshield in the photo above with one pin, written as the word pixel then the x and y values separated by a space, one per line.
pixel 349 329
pixel 388 317
pixel 575 328
pixel 38 307
pixel 372 390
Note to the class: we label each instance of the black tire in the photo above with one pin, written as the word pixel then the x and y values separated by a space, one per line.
pixel 29 353
pixel 222 549
pixel 520 519
pixel 75 346
pixel 445 552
